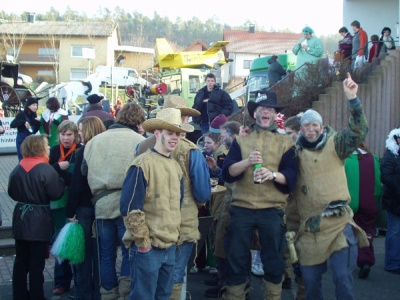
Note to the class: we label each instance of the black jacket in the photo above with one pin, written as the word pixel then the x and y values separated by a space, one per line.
pixel 19 123
pixel 390 177
pixel 219 103
pixel 33 192
pixel 275 72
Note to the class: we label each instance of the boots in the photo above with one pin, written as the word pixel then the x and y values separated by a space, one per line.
pixel 301 290
pixel 176 291
pixel 235 292
pixel 124 287
pixel 272 291
pixel 109 295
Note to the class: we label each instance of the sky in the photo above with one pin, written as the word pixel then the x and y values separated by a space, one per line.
pixel 291 14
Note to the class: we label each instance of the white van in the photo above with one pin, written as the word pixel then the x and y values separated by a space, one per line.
pixel 120 76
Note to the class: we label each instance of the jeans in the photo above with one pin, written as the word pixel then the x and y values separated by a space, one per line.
pixel 204 128
pixel 182 255
pixel 111 231
pixel 87 273
pixel 29 261
pixel 238 239
pixel 392 242
pixel 152 273
pixel 342 262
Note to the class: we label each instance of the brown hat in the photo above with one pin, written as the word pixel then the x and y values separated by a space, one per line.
pixel 169 119
pixel 173 101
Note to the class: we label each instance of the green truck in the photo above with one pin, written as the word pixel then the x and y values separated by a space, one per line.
pixel 258 77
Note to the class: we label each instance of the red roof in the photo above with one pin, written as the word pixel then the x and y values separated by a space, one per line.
pixel 259 42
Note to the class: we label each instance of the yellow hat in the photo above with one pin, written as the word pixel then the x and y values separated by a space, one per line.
pixel 173 101
pixel 169 119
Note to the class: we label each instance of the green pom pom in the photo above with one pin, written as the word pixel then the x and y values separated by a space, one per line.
pixel 70 244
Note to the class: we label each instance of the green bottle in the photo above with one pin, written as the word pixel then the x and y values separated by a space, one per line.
pixel 256 167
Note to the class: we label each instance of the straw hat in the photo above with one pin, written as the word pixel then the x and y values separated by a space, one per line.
pixel 173 101
pixel 169 119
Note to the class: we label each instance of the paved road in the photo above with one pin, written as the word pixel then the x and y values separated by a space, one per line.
pixel 379 285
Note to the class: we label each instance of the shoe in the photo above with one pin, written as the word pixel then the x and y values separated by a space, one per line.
pixel 394 271
pixel 215 292
pixel 213 270
pixel 193 270
pixel 364 271
pixel 257 270
pixel 212 281
pixel 59 291
pixel 287 284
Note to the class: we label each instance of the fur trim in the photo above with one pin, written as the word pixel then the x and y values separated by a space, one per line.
pixel 391 143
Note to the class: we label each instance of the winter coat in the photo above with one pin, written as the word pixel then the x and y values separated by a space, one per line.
pixel 360 44
pixel 345 45
pixel 33 189
pixel 219 103
pixel 19 123
pixel 275 71
pixel 390 174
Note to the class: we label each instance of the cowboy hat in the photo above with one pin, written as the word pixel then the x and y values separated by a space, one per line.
pixel 173 101
pixel 268 99
pixel 168 119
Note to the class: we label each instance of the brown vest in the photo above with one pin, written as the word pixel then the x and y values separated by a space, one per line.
pixel 321 180
pixel 259 196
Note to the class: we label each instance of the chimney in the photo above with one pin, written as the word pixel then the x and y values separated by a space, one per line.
pixel 252 28
pixel 31 18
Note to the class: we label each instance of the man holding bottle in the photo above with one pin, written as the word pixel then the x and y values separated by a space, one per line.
pixel 259 205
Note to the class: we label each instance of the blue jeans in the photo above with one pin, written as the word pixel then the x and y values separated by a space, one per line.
pixel 238 240
pixel 204 128
pixel 392 242
pixel 110 231
pixel 342 262
pixel 182 255
pixel 152 273
pixel 87 273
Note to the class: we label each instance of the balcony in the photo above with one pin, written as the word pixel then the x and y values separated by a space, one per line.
pixel 34 59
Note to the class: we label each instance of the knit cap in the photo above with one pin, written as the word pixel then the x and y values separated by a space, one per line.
pixel 31 101
pixel 217 123
pixel 311 116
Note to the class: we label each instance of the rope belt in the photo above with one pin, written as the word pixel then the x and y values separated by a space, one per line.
pixel 25 207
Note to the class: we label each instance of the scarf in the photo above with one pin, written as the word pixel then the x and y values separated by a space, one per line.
pixel 63 155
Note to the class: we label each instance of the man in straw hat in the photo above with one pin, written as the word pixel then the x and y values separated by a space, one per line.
pixel 150 202
pixel 261 205
pixel 197 190
pixel 328 231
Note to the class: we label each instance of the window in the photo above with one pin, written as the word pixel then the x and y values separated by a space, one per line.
pixel 78 74
pixel 246 64
pixel 45 52
pixel 46 72
pixel 13 52
pixel 80 51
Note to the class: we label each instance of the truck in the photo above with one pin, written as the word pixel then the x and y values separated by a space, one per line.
pixel 120 76
pixel 258 77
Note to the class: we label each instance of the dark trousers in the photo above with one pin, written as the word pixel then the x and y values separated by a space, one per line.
pixel 237 243
pixel 29 259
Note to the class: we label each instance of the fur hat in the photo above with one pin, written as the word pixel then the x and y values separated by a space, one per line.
pixel 217 123
pixel 169 119
pixel 31 100
pixel 311 115
pixel 94 98
pixel 268 99
pixel 307 30
pixel 173 101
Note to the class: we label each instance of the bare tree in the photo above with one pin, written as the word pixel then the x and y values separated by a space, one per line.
pixel 53 42
pixel 13 38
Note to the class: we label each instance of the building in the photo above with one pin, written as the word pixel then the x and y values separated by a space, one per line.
pixel 63 51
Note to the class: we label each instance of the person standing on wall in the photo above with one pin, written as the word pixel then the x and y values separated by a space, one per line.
pixel 211 101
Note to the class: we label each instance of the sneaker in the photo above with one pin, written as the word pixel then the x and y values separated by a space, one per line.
pixel 364 271
pixel 193 270
pixel 257 270
pixel 213 270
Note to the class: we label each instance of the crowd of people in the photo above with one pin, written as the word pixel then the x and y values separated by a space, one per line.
pixel 140 184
